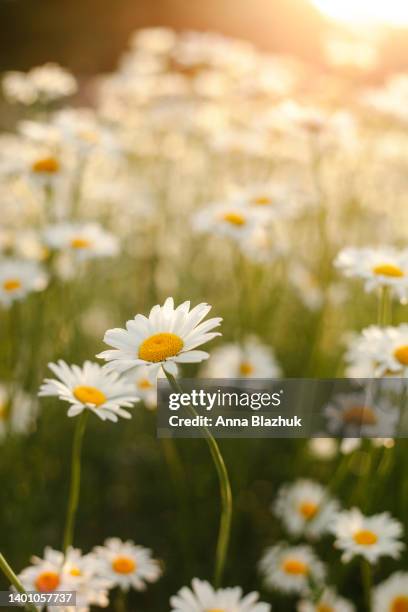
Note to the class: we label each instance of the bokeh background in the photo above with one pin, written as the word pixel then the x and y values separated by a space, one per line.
pixel 128 489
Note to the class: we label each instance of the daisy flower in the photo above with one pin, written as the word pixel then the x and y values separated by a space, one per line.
pixel 226 219
pixel 146 388
pixel 323 448
pixel 126 565
pixel 90 388
pixel 377 267
pixel 329 601
pixel 202 597
pixel 305 508
pixel 291 569
pixel 19 277
pixel 251 359
pixel 371 537
pixel 379 351
pixel 273 200
pixel 84 240
pixel 70 572
pixel 44 84
pixel 392 594
pixel 355 415
pixel 166 337
pixel 17 412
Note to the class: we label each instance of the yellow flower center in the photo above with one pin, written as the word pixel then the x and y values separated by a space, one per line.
pixel 11 284
pixel 365 537
pixel 324 608
pixel 160 346
pixel 75 571
pixel 400 604
pixel 215 610
pixel 80 243
pixel 124 565
pixel 388 270
pixel 46 165
pixel 89 395
pixel 308 510
pixel 47 581
pixel 262 201
pixel 401 354
pixel 295 567
pixel 360 415
pixel 234 218
pixel 144 384
pixel 246 368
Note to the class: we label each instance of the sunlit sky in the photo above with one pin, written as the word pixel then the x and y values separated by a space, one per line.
pixel 390 12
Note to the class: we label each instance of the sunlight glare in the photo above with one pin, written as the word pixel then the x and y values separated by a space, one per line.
pixel 387 12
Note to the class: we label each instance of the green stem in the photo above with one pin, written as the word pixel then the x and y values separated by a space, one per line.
pixel 13 579
pixel 75 479
pixel 384 307
pixel 366 578
pixel 120 600
pixel 225 492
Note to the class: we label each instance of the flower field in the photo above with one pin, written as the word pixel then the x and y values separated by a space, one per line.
pixel 214 211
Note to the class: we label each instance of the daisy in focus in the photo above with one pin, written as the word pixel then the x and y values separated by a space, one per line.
pixel 202 597
pixel 329 601
pixel 18 278
pixel 392 594
pixel 379 351
pixel 84 240
pixel 70 572
pixel 90 387
pixel 355 415
pixel 305 507
pixel 371 537
pixel 127 565
pixel 378 267
pixel 166 337
pixel 251 359
pixel 291 569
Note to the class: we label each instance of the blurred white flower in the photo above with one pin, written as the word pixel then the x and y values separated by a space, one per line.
pixel 323 448
pixel 355 415
pixel 392 594
pixel 90 388
pixel 84 240
pixel 202 597
pixel 166 337
pixel 41 84
pixel 329 601
pixel 19 277
pixel 126 565
pixel 379 351
pixel 370 537
pixel 18 411
pixel 378 267
pixel 290 569
pixel 250 359
pixel 226 219
pixel 146 388
pixel 305 508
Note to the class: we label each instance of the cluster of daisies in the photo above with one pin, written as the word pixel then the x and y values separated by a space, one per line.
pixel 168 336
pixel 91 576
pixel 308 511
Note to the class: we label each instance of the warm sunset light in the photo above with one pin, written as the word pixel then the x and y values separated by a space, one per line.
pixel 390 12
